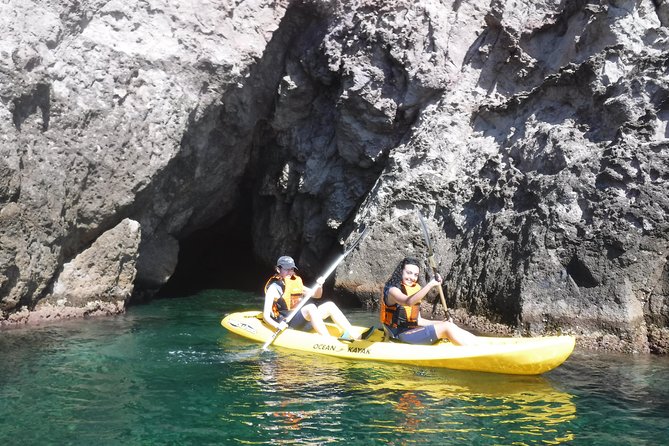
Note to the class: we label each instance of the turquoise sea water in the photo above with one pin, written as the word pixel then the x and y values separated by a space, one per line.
pixel 167 373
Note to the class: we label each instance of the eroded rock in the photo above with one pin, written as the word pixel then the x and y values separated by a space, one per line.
pixel 533 137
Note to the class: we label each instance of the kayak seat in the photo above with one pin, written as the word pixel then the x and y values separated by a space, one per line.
pixel 388 335
pixel 368 333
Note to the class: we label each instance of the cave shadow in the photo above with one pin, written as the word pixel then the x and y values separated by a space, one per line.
pixel 222 255
pixel 219 256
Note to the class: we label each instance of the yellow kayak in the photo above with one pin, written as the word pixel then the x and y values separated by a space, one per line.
pixel 518 356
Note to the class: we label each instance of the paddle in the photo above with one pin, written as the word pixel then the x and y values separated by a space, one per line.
pixel 431 261
pixel 312 290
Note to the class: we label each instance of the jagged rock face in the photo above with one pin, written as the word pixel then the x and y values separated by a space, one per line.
pixel 548 187
pixel 112 110
pixel 533 137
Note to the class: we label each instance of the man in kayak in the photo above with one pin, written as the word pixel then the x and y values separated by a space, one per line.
pixel 400 310
pixel 285 289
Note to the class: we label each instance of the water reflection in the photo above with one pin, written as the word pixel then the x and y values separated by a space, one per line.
pixel 470 405
pixel 296 398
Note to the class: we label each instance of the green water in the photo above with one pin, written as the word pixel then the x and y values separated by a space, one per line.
pixel 167 373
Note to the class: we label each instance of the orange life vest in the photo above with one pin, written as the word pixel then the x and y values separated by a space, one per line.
pixel 292 292
pixel 401 316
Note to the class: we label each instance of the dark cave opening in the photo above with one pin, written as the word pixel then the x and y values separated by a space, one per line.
pixel 218 257
pixel 221 257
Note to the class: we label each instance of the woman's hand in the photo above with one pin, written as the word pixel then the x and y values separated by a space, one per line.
pixel 436 281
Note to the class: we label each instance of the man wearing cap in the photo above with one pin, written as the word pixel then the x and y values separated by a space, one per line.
pixel 285 289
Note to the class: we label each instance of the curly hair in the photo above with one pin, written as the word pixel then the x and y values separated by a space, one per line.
pixel 396 277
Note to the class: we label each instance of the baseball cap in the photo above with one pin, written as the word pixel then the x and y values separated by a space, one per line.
pixel 286 262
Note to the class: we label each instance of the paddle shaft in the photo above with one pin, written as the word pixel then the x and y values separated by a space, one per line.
pixel 312 290
pixel 431 261
pixel 433 265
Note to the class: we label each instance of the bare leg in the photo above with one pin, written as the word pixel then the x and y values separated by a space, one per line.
pixel 457 335
pixel 313 315
pixel 331 310
pixel 316 315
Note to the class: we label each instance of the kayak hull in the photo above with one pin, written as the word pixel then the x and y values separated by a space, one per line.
pixel 510 355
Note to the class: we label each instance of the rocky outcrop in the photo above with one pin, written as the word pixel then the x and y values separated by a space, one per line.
pixel 545 190
pixel 112 110
pixel 97 282
pixel 533 137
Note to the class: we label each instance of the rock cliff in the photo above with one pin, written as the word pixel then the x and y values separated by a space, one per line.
pixel 532 135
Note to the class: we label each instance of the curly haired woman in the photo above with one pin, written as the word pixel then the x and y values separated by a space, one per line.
pixel 400 309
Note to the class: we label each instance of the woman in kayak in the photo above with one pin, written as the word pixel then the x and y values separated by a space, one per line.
pixel 400 310
pixel 283 292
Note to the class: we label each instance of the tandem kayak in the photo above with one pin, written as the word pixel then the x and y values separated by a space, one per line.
pixel 508 355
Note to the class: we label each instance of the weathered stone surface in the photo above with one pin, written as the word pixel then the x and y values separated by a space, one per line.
pixel 113 109
pixel 105 271
pixel 98 281
pixel 540 170
pixel 532 135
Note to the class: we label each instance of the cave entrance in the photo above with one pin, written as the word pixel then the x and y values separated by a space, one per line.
pixel 218 257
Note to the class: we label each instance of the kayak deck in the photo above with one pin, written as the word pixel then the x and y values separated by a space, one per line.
pixel 510 355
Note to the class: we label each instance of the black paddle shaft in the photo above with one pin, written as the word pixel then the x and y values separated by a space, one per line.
pixel 432 262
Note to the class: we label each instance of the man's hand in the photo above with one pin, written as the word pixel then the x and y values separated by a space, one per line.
pixel 320 281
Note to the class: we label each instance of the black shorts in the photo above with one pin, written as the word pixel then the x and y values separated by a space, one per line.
pixel 298 322
pixel 426 335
